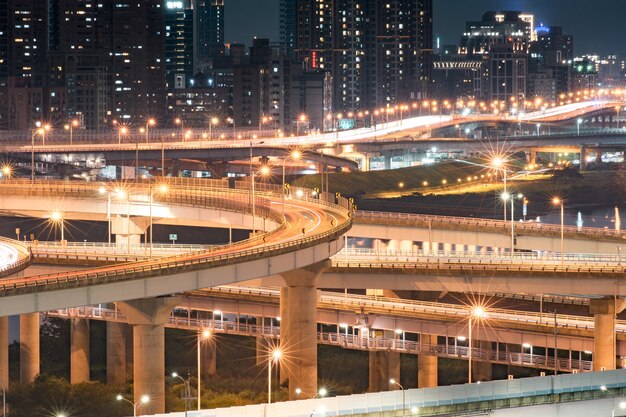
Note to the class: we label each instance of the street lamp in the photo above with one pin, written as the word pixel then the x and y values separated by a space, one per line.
pixel 506 197
pixel 149 122
pixel 179 121
pixel 498 164
pixel 232 120
pixel 302 118
pixel 621 405
pixel 203 336
pixel 538 126
pixel 275 356
pixel 478 313
pixel 163 188
pixel 121 131
pixel 57 217
pixel 38 131
pixel 187 390
pixel 213 122
pixel 265 170
pixel 70 126
pixel 578 123
pixel 294 155
pixel 559 202
pixel 143 400
pixel 394 382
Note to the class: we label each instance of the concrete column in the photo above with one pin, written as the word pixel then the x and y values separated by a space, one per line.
pixel 116 353
pixel 4 352
pixel 427 365
pixel 481 371
pixel 129 230
pixel 447 248
pixel 383 366
pixel 300 340
pixel 148 317
pixel 531 157
pixel 29 347
pixel 604 311
pixel 79 351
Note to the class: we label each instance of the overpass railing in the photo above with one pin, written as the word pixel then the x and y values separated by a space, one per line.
pixel 346 341
pixel 227 199
pixel 466 223
pixel 24 257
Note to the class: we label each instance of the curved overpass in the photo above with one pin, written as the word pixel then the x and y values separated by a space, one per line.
pixel 15 256
pixel 283 248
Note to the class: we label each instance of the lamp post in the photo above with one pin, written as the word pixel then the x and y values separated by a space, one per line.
pixel 265 170
pixel 498 164
pixel 121 131
pixel 187 390
pixel 232 120
pixel 163 188
pixel 143 400
pixel 559 202
pixel 475 313
pixel 103 190
pixel 394 382
pixel 57 217
pixel 506 197
pixel 179 121
pixel 621 405
pixel 38 131
pixel 149 122
pixel 302 118
pixel 46 128
pixel 203 336
pixel 213 122
pixel 275 356
pixel 578 123
pixel 294 155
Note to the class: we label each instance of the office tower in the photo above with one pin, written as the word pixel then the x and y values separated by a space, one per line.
pixel 508 27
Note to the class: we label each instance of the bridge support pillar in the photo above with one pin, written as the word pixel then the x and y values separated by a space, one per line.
pixel 598 156
pixel 427 365
pixel 4 352
pixel 383 366
pixel 116 353
pixel 79 356
pixel 29 347
pixel 284 320
pixel 148 317
pixel 299 340
pixel 604 311
pixel 129 230
pixel 531 157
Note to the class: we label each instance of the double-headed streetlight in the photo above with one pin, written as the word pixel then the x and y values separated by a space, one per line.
pixel 476 313
pixel 187 390
pixel 394 382
pixel 203 336
pixel 274 358
pixel 70 126
pixel 143 400
pixel 559 202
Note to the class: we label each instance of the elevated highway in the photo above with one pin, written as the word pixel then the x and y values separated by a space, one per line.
pixel 283 248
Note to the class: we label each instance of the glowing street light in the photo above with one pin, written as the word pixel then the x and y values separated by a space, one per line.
pixel 559 202
pixel 295 156
pixel 57 217
pixel 213 122
pixel 149 122
pixel 187 390
pixel 476 313
pixel 275 356
pixel 394 382
pixel 264 171
pixel 203 336
pixel 143 400
pixel 121 131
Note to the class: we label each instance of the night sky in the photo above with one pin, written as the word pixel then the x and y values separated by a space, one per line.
pixel 597 26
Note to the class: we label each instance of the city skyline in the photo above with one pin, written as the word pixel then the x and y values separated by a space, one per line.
pixel 450 17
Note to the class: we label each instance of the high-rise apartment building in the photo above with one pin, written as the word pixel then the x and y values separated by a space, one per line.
pixel 179 46
pixel 508 27
pixel 208 26
pixel 377 53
